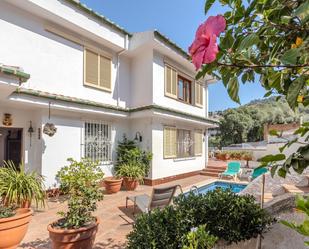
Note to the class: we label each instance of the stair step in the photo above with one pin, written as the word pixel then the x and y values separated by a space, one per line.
pixel 213 170
pixel 209 174
pixel 289 188
pixel 216 168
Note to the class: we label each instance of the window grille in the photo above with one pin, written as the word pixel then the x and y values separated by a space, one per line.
pixel 97 142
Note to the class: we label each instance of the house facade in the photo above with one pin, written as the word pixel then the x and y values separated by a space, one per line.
pixel 64 66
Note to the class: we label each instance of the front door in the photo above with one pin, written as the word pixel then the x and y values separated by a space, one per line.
pixel 11 145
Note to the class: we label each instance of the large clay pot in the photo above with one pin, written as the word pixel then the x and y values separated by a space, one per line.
pixel 112 185
pixel 130 184
pixel 13 229
pixel 81 238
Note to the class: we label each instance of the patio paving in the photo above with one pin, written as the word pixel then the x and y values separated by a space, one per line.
pixel 116 220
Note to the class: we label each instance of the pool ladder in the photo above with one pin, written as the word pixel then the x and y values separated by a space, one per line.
pixel 194 188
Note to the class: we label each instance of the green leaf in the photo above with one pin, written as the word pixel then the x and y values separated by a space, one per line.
pixel 282 172
pixel 303 11
pixel 273 170
pixel 208 5
pixel 233 88
pixel 272 158
pixel 249 41
pixel 290 56
pixel 294 91
pixel 274 133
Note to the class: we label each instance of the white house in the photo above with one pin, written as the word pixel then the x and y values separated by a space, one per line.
pixel 62 63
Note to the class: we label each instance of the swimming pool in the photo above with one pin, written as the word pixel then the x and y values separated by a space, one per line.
pixel 235 187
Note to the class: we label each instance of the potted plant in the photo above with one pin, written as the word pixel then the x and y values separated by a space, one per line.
pixel 112 184
pixel 225 156
pixel 13 225
pixel 247 156
pixel 20 188
pixel 132 175
pixel 78 227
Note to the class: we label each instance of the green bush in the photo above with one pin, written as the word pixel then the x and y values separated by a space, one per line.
pixel 80 180
pixel 199 238
pixel 133 171
pixel 6 212
pixel 129 153
pixel 228 216
pixel 157 230
pixel 18 187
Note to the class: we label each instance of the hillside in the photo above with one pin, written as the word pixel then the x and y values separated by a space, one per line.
pixel 245 123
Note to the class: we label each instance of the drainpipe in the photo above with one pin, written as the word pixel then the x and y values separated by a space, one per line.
pixel 206 116
pixel 118 65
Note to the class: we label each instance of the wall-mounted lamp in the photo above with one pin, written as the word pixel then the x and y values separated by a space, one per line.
pixel 138 137
pixel 30 131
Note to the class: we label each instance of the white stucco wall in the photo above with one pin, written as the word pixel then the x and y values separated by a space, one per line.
pixel 169 167
pixel 141 77
pixel 31 155
pixel 158 87
pixel 54 63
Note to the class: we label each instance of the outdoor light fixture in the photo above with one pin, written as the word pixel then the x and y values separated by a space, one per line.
pixel 138 137
pixel 30 131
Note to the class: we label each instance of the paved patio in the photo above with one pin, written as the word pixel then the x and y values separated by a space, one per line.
pixel 116 220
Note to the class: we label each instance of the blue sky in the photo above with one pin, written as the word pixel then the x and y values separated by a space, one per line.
pixel 178 20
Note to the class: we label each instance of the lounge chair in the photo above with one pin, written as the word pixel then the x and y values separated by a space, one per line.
pixel 233 169
pixel 257 172
pixel 160 198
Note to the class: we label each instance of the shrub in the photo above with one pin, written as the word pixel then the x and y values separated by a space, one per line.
pixel 80 180
pixel 132 171
pixel 227 216
pixel 6 212
pixel 199 238
pixel 18 187
pixel 129 153
pixel 158 229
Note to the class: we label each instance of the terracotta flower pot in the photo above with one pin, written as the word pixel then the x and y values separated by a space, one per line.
pixel 73 238
pixel 112 185
pixel 13 229
pixel 130 184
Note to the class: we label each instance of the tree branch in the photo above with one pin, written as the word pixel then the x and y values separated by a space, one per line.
pixel 261 66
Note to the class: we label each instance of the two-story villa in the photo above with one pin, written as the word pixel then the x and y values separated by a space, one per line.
pixel 63 64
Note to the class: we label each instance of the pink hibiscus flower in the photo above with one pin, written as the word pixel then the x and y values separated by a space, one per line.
pixel 204 48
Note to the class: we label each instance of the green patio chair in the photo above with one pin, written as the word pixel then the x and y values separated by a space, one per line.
pixel 257 172
pixel 233 169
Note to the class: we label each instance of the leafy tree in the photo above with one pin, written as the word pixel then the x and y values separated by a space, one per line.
pixel 268 38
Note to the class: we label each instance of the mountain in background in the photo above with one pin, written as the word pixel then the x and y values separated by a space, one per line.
pixel 246 123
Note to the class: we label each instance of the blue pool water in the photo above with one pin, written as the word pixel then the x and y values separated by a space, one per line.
pixel 235 187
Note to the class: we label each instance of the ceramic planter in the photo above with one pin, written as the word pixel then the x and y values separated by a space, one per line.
pixel 112 185
pixel 13 229
pixel 73 238
pixel 130 184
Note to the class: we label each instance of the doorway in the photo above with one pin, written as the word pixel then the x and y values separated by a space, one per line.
pixel 11 145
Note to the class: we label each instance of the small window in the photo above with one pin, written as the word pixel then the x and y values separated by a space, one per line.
pixel 184 90
pixel 97 142
pixel 97 70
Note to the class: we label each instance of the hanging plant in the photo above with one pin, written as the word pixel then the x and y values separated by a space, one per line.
pixel 49 128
